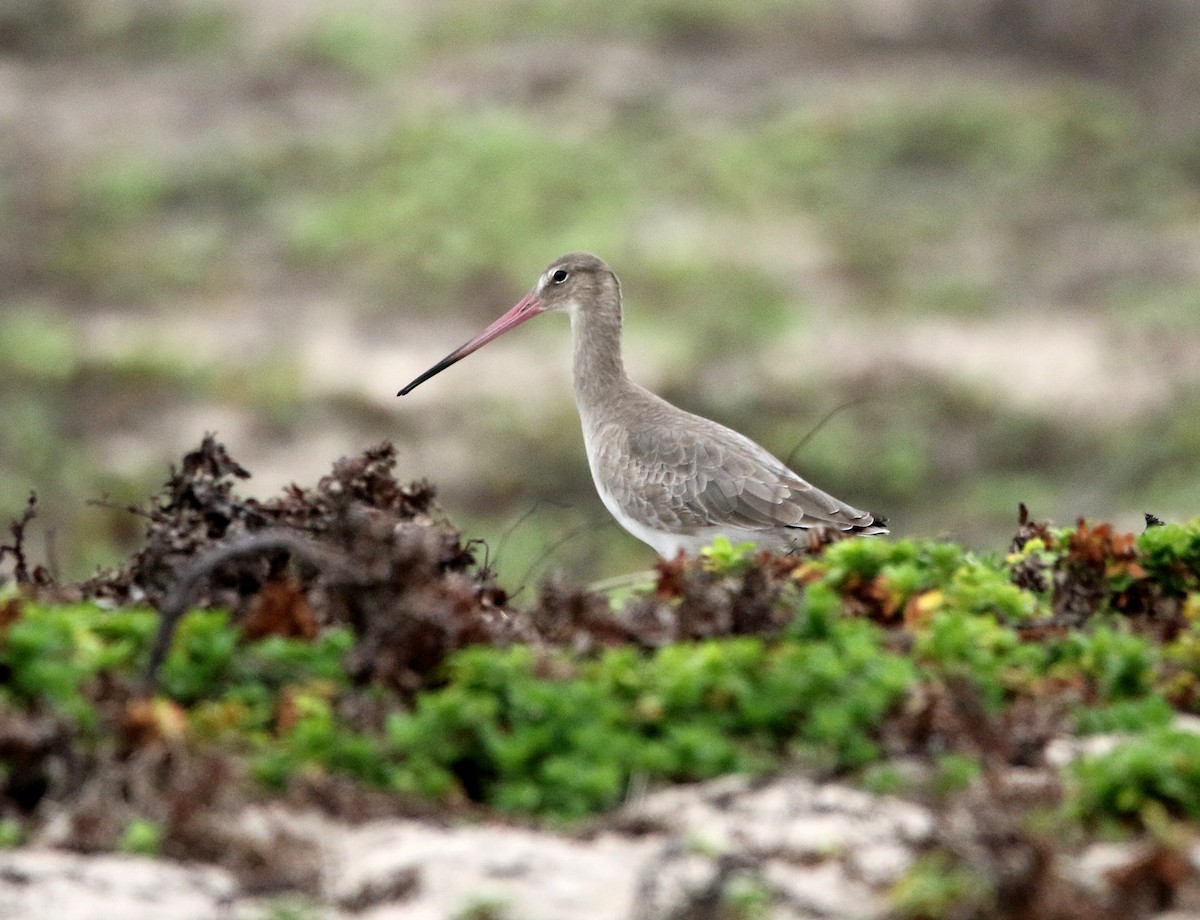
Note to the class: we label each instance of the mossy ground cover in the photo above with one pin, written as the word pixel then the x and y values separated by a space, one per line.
pixel 349 641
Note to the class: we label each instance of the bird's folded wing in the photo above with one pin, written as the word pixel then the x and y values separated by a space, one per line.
pixel 686 478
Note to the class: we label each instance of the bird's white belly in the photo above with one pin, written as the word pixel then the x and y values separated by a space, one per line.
pixel 668 544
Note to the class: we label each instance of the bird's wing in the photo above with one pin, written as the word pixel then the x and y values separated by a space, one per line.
pixel 700 474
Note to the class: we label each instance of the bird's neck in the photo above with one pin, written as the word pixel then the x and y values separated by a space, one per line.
pixel 598 369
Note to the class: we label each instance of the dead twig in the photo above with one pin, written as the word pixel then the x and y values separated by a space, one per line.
pixel 266 541
pixel 16 549
pixel 821 423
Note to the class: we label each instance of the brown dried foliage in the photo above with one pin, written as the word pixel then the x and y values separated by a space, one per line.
pixel 692 602
pixel 29 579
pixel 373 557
pixel 1099 568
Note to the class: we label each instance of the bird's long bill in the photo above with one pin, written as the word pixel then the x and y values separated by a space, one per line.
pixel 528 307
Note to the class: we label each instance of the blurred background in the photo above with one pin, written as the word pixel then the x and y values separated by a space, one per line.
pixel 969 229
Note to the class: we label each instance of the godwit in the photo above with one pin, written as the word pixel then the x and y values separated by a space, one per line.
pixel 672 479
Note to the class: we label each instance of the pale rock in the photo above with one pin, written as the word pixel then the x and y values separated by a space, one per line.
pixel 1062 751
pixel 1091 869
pixel 823 851
pixel 537 875
pixel 881 864
pixel 843 799
pixel 669 886
pixel 55 885
pixel 820 836
pixel 825 890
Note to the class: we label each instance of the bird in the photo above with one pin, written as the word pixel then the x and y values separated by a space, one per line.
pixel 671 478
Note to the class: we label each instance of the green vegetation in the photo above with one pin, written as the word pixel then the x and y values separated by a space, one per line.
pixel 556 734
pixel 1154 777
pixel 49 653
pixel 914 668
pixel 687 712
pixel 745 896
pixel 142 837
pixel 354 40
pixel 397 213
pixel 168 223
pixel 484 907
pixel 724 558
pixel 935 887
pixel 11 833
pixel 289 908
pixel 954 773
pixel 497 730
pixel 556 189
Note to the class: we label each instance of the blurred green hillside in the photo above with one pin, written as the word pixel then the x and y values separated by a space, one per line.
pixel 968 231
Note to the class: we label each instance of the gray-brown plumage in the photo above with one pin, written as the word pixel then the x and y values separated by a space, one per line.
pixel 671 478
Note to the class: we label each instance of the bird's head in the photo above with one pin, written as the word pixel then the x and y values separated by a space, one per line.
pixel 570 283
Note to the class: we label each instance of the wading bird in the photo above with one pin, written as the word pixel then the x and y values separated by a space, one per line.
pixel 673 479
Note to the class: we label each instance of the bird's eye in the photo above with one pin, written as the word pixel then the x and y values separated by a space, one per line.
pixel 559 276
